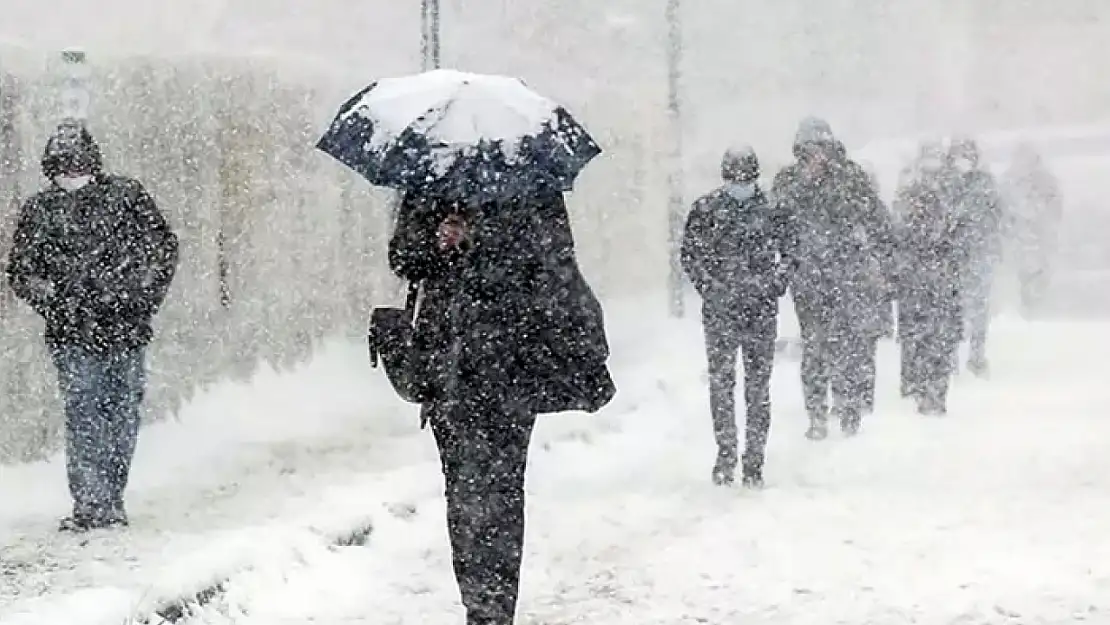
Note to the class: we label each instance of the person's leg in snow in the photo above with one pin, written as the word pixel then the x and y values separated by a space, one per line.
pixel 978 304
pixel 815 376
pixel 722 345
pixel 758 347
pixel 85 435
pixel 937 348
pixel 870 373
pixel 124 389
pixel 849 355
pixel 483 451
pixel 101 393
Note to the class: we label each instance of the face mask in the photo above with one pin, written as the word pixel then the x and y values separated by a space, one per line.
pixel 72 183
pixel 741 191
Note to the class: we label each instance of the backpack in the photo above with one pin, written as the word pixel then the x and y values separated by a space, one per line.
pixel 390 341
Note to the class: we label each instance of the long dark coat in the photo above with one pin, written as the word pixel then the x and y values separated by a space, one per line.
pixel 844 243
pixel 509 316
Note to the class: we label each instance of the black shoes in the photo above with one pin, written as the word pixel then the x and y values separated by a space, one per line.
pixel 818 429
pixel 84 522
pixel 724 471
pixel 753 473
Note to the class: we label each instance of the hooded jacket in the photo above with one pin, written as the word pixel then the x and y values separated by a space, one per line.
pixel 844 241
pixel 96 262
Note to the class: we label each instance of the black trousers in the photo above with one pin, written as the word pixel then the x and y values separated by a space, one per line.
pixel 727 336
pixel 483 450
pixel 870 374
pixel 929 349
pixel 834 360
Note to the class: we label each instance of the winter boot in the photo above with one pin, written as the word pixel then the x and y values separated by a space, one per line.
pixel 978 367
pixel 77 523
pixel 116 517
pixel 850 419
pixel 818 427
pixel 753 472
pixel 724 471
pixel 931 404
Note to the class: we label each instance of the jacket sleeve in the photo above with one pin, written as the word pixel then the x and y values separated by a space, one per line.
pixel 785 228
pixel 27 269
pixel 162 250
pixel 880 225
pixel 692 254
pixel 413 253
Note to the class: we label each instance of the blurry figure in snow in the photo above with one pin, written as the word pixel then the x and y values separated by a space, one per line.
pixel 931 256
pixel 926 180
pixel 976 200
pixel 1035 209
pixel 886 311
pixel 94 256
pixel 843 239
pixel 507 329
pixel 736 250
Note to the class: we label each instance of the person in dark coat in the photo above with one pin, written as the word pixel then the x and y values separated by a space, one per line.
pixel 886 317
pixel 843 239
pixel 927 183
pixel 508 329
pixel 95 257
pixel 976 197
pixel 736 252
pixel 932 260
pixel 1036 209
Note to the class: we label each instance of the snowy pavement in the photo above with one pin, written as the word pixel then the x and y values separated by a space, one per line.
pixel 996 514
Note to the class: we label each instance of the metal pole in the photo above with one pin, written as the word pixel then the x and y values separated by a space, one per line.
pixel 74 96
pixel 429 36
pixel 676 204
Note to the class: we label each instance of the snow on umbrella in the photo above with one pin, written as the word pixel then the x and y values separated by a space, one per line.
pixel 460 135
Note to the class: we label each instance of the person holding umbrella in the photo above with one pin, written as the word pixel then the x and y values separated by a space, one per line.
pixel 507 326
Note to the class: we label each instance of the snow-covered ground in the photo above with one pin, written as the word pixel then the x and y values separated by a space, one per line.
pixel 996 514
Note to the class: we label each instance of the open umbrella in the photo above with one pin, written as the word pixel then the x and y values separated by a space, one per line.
pixel 458 134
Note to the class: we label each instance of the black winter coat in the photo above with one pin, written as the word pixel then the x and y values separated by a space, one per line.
pixel 95 263
pixel 977 198
pixel 933 259
pixel 844 246
pixel 510 318
pixel 736 251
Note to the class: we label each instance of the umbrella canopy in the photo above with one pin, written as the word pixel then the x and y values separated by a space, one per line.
pixel 458 134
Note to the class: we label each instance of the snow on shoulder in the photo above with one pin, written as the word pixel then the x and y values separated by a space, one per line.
pixel 455 108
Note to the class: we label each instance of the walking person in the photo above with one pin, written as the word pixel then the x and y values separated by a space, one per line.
pixel 1035 203
pixel 978 203
pixel 932 259
pixel 885 311
pixel 926 190
pixel 94 256
pixel 736 251
pixel 844 238
pixel 507 328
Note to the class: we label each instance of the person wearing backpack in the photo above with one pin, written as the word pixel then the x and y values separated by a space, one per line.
pixel 735 250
